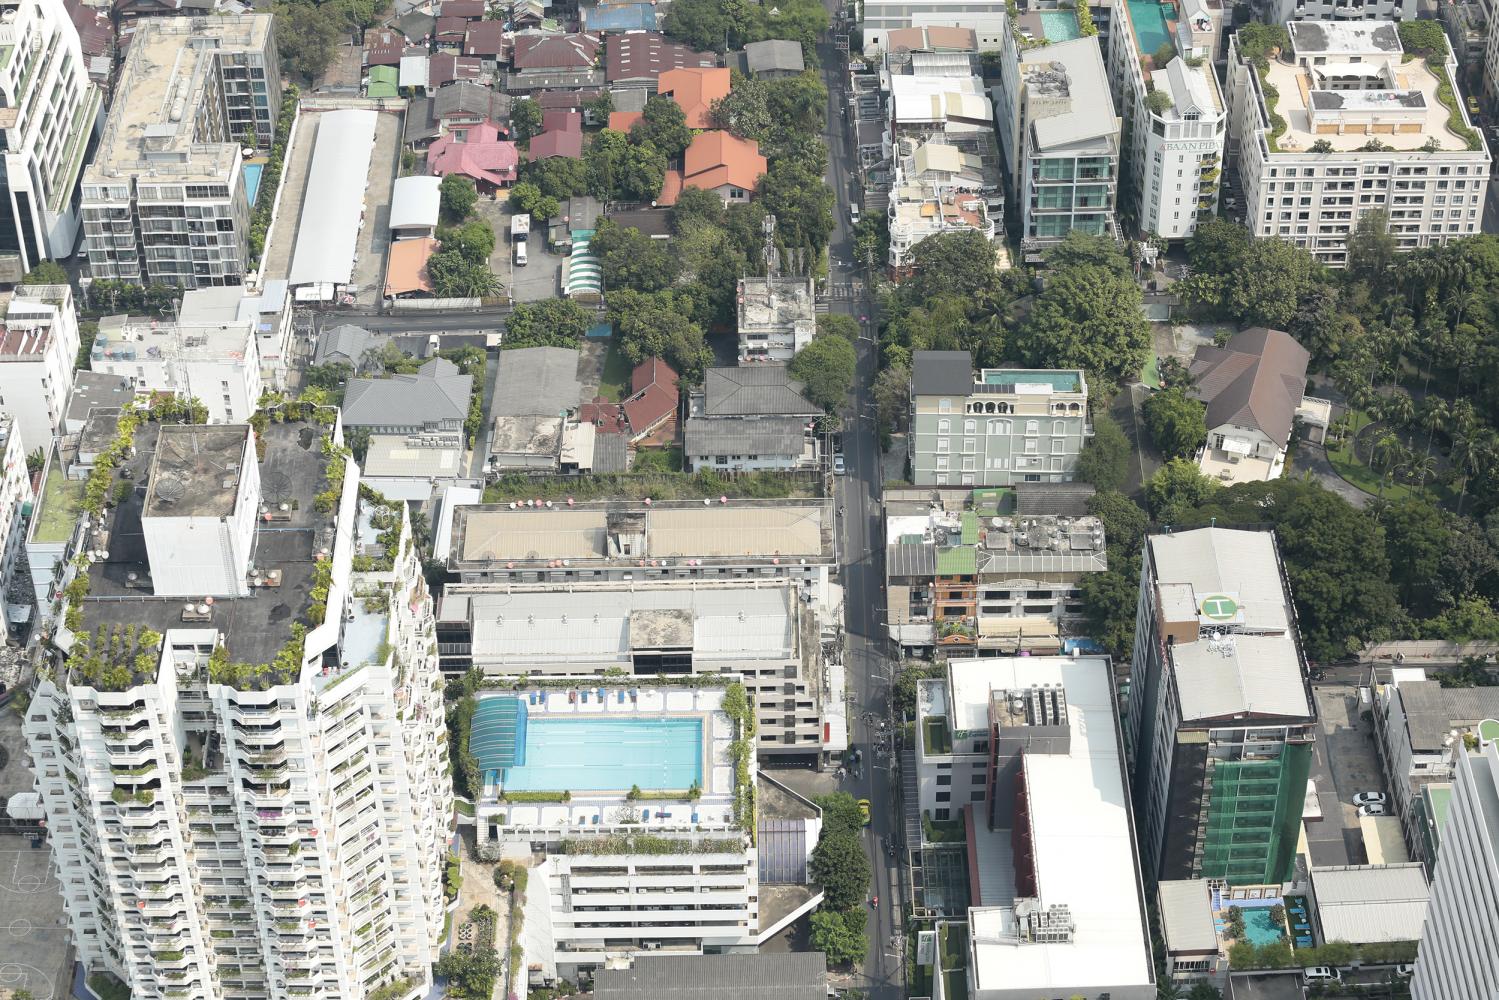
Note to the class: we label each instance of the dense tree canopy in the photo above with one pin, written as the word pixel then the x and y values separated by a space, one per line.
pixel 630 259
pixel 659 324
pixel 826 367
pixel 1176 422
pixel 549 323
pixel 1105 458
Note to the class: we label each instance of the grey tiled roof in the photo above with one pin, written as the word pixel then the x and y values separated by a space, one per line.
pixel 783 976
pixel 536 380
pixel 437 392
pixel 942 373
pixel 758 390
pixel 757 436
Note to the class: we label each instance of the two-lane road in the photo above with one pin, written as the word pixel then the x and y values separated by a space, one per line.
pixel 862 549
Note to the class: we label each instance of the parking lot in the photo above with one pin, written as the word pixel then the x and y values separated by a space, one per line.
pixel 541 278
pixel 1346 741
pixel 34 950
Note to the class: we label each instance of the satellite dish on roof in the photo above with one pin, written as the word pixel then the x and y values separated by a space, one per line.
pixel 170 487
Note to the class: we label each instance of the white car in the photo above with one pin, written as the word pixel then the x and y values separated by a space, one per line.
pixel 838 467
pixel 1369 799
pixel 1373 810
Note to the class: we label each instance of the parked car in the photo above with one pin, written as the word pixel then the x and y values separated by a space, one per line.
pixel 864 811
pixel 1405 969
pixel 1320 974
pixel 1373 810
pixel 839 468
pixel 1369 799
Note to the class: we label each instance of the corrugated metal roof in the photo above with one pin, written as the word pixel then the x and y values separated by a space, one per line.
pixel 771 976
pixel 1368 903
pixel 906 559
pixel 957 562
pixel 334 202
pixel 1187 915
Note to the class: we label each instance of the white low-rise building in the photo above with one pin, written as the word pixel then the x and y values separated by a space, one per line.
pixel 247 795
pixel 208 353
pixel 777 318
pixel 15 496
pixel 1355 125
pixel 645 846
pixel 1026 753
pixel 38 349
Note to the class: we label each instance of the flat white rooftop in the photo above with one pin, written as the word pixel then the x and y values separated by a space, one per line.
pixel 1084 845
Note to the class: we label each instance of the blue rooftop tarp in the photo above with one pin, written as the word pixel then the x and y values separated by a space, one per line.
pixel 620 17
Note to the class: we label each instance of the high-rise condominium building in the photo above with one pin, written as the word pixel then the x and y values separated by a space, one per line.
pixel 1221 721
pixel 164 199
pixel 1458 956
pixel 240 747
pixel 1345 123
pixel 48 108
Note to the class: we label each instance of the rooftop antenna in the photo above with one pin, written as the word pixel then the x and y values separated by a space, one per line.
pixel 769 228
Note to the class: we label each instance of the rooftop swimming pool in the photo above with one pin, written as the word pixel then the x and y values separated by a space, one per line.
pixel 1150 20
pixel 1259 928
pixel 607 754
pixel 1060 25
pixel 252 180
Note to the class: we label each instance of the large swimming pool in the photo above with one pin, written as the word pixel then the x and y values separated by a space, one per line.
pixel 1259 928
pixel 252 180
pixel 599 755
pixel 1149 19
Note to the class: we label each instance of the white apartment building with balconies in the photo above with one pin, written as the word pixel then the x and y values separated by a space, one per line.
pixel 48 108
pixel 1365 128
pixel 1174 117
pixel 15 494
pixel 38 349
pixel 246 789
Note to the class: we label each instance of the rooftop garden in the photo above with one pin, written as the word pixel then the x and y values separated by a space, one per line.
pixel 1426 39
pixel 737 705
pixel 647 843
pixel 57 510
pixel 114 659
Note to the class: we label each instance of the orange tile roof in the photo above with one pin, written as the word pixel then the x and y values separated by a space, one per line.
pixel 671 188
pixel 718 158
pixel 621 121
pixel 694 89
pixel 406 270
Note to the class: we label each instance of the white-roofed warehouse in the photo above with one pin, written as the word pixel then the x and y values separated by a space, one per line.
pixel 333 208
pixel 414 207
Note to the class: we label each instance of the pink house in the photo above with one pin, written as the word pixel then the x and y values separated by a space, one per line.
pixel 477 152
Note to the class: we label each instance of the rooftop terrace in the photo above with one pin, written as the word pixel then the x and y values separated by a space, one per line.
pixel 285 552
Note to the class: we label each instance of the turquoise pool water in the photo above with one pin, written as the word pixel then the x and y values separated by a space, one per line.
pixel 608 754
pixel 252 180
pixel 1149 19
pixel 1059 25
pixel 1259 928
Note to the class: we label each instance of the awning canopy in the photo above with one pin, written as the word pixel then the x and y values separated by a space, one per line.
pixel 333 207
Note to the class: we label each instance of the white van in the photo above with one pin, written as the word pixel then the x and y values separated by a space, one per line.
pixel 853 212
pixel 520 253
pixel 1320 974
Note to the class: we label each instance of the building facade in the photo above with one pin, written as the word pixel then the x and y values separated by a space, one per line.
pixel 1220 722
pixel 53 108
pixel 1282 11
pixel 241 801
pixel 38 349
pixel 1174 143
pixel 164 199
pixel 1367 129
pixel 15 494
pixel 1457 957
pixel 986 20
pixel 997 427
pixel 1063 161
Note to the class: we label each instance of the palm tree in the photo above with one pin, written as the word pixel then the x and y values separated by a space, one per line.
pixel 1417 468
pixel 1384 455
pixel 1464 418
pixel 1398 409
pixel 1166 989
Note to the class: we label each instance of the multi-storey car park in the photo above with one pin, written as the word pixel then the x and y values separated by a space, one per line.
pixel 1345 122
pixel 240 745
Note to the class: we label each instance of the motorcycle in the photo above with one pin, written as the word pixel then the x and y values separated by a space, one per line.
pixel 876 902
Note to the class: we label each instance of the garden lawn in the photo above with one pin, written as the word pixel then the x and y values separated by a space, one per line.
pixel 614 381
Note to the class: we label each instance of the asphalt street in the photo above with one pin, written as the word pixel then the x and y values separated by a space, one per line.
pixel 862 554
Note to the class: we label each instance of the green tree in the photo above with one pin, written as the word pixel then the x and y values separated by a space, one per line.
pixel 664 125
pixel 631 259
pixel 840 814
pixel 1177 489
pixel 1269 283
pixel 458 197
pixel 35 460
pixel 1423 38
pixel 525 119
pixel 1416 539
pixel 549 323
pixel 953 264
pixel 826 369
pixel 1204 991
pixel 1474 619
pixel 841 867
pixel 1257 40
pixel 838 324
pixel 706 25
pixel 624 170
pixel 558 177
pixel 1176 422
pixel 1087 317
pixel 473 241
pixel 1110 604
pixel 659 325
pixel 46 273
pixel 305 38
pixel 694 206
pixel 892 393
pixel 793 191
pixel 599 108
pixel 1217 246
pixel 1105 459
pixel 1124 521
pixel 841 936
pixel 455 275
pixel 471 974
pixel 1473 671
pixel 1371 246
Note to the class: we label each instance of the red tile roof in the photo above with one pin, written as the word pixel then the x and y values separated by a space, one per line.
pixel 621 121
pixel 485 38
pixel 549 144
pixel 694 89
pixel 538 52
pixel 717 158
pixel 384 48
pixel 484 156
pixel 561 120
pixel 646 55
pixel 671 189
pixel 451 29
pixel 654 397
pixel 471 10
pixel 550 99
pixel 605 416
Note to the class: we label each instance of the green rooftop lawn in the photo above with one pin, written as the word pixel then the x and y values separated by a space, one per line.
pixel 59 508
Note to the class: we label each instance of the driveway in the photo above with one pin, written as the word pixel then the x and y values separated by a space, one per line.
pixel 1344 763
pixel 1311 459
